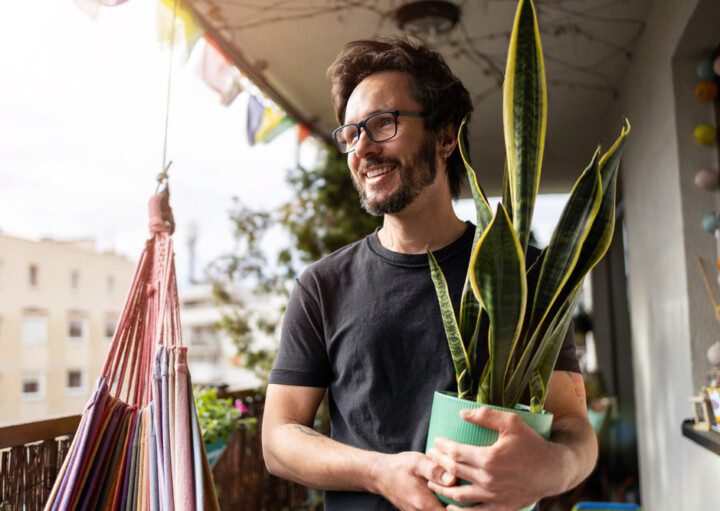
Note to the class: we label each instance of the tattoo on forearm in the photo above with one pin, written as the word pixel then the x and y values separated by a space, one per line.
pixel 305 429
pixel 575 382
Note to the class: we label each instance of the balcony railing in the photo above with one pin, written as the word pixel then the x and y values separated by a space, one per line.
pixel 32 453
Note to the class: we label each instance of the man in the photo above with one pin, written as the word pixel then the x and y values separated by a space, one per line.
pixel 364 323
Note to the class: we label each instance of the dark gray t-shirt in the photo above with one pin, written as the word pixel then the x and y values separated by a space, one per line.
pixel 365 323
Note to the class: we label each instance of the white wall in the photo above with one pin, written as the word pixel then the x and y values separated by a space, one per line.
pixel 672 324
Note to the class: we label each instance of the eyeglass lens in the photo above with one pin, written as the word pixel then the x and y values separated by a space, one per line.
pixel 379 127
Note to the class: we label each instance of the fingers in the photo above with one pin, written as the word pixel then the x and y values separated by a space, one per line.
pixel 432 471
pixel 464 494
pixel 453 467
pixel 491 418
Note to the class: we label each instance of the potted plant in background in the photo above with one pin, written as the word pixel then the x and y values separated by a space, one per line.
pixel 219 418
pixel 524 312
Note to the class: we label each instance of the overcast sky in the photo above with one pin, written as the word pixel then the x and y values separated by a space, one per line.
pixel 82 109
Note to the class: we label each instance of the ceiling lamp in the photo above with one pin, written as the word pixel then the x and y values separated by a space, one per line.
pixel 428 18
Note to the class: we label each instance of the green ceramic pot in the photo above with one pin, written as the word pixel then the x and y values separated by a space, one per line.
pixel 445 422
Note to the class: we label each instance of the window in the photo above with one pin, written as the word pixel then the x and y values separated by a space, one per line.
pixel 33 386
pixel 109 329
pixel 34 329
pixel 202 336
pixel 32 275
pixel 75 381
pixel 76 330
pixel 75 280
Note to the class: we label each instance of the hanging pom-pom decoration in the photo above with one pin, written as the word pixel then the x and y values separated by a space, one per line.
pixel 706 90
pixel 707 179
pixel 705 69
pixel 711 221
pixel 705 134
pixel 716 66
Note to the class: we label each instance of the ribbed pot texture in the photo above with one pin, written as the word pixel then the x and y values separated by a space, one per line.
pixel 445 422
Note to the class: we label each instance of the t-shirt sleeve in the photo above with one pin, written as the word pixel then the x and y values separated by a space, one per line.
pixel 302 358
pixel 567 359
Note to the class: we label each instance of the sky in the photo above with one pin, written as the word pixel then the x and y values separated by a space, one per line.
pixel 82 112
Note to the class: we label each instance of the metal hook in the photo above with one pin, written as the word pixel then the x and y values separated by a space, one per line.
pixel 162 179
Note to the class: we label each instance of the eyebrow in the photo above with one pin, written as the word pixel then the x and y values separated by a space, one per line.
pixel 368 115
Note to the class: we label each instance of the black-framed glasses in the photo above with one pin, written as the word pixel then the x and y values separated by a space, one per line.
pixel 379 127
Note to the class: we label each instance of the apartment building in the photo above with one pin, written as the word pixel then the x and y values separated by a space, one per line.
pixel 212 356
pixel 59 305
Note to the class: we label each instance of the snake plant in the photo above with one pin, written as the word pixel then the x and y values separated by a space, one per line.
pixel 525 312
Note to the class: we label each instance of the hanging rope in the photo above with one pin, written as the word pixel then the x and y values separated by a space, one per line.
pixel 162 178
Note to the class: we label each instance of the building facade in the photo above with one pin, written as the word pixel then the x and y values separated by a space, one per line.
pixel 59 305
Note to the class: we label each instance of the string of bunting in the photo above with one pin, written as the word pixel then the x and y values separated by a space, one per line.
pixel 265 122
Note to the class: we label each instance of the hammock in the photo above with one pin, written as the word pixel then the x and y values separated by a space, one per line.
pixel 138 445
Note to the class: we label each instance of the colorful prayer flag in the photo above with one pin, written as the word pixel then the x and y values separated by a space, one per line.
pixel 182 14
pixel 304 132
pixel 255 112
pixel 274 123
pixel 216 70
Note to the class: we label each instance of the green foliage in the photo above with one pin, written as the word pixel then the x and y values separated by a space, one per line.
pixel 323 215
pixel 525 312
pixel 219 418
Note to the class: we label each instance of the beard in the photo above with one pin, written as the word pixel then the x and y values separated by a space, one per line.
pixel 419 173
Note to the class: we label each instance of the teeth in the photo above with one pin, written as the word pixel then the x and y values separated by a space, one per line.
pixel 379 172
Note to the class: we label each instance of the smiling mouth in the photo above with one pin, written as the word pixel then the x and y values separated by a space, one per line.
pixel 379 171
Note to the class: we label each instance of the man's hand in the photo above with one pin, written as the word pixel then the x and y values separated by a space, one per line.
pixel 517 470
pixel 403 479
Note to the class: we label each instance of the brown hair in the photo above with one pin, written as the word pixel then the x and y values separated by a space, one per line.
pixel 444 99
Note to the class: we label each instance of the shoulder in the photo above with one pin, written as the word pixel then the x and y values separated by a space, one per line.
pixel 334 267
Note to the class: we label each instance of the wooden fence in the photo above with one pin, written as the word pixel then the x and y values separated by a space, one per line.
pixel 31 455
pixel 242 480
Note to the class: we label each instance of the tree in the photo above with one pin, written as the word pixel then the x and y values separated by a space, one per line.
pixel 323 216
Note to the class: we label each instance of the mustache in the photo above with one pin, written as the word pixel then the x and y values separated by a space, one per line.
pixel 379 161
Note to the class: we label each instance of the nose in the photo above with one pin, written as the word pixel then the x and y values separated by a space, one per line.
pixel 365 145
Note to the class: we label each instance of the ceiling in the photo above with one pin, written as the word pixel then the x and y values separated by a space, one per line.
pixel 286 46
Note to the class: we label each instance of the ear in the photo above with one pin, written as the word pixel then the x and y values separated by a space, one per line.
pixel 447 142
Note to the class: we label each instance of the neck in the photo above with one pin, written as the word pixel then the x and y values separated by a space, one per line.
pixel 426 224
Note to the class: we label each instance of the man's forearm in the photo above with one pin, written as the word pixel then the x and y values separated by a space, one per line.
pixel 578 443
pixel 301 454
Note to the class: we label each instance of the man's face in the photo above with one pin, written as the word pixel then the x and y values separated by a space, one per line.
pixel 390 175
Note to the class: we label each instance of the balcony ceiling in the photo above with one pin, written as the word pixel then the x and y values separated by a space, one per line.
pixel 286 46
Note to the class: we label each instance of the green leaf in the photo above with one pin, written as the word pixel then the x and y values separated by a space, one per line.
pixel 549 348
pixel 567 240
pixel 541 361
pixel 469 306
pixel 538 389
pixel 506 198
pixel 601 233
pixel 452 332
pixel 498 280
pixel 524 116
pixel 559 261
pixel 469 314
pixel 482 207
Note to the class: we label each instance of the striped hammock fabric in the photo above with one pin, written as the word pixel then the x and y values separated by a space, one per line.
pixel 138 446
